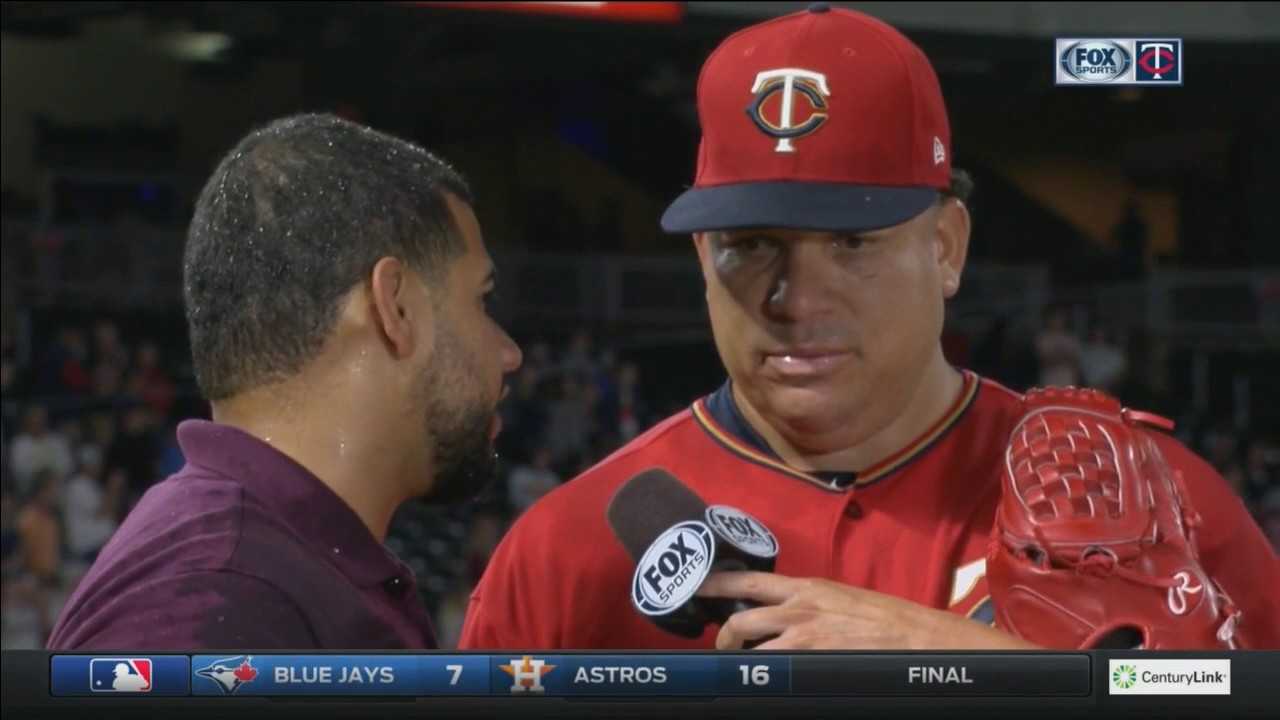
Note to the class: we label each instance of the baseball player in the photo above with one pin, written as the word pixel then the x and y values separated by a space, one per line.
pixel 915 505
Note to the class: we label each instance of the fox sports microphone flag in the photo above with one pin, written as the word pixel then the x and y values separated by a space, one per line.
pixel 678 540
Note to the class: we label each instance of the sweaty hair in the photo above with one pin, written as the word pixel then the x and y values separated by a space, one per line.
pixel 294 217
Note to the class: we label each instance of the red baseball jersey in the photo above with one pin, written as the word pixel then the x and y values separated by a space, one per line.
pixel 916 526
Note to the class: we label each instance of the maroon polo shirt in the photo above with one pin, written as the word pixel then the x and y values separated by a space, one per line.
pixel 243 549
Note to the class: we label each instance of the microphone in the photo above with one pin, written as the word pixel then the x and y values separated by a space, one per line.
pixel 676 541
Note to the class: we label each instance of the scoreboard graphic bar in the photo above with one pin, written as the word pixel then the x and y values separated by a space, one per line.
pixel 582 675
pixel 1008 675
pixel 566 685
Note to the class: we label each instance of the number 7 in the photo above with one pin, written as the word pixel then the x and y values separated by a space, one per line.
pixel 457 672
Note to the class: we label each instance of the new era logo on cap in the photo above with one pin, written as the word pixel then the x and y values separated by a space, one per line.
pixel 826 119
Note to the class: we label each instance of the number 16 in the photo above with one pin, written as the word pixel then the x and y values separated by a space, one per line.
pixel 754 674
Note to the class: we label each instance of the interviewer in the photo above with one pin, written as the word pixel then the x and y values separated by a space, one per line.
pixel 335 286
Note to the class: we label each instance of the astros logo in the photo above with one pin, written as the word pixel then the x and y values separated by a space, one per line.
pixel 782 123
pixel 527 674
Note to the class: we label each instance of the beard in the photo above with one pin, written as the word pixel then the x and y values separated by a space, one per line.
pixel 457 424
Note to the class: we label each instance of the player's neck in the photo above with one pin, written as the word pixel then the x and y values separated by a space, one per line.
pixel 335 451
pixel 932 398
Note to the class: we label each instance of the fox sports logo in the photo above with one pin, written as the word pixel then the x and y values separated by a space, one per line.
pixel 742 531
pixel 1095 61
pixel 673 568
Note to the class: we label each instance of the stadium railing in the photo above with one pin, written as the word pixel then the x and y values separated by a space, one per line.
pixel 124 267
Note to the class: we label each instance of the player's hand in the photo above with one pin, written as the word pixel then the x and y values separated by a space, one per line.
pixel 813 614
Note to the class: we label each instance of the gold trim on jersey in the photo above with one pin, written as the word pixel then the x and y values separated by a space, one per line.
pixel 878 471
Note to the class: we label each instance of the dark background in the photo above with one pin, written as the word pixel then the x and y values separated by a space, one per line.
pixel 575 133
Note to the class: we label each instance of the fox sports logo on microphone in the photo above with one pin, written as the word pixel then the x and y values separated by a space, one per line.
pixel 673 568
pixel 742 531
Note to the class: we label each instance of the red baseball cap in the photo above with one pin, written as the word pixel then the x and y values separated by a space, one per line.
pixel 825 119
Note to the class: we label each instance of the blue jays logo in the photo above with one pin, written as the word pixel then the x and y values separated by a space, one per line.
pixel 230 673
pixel 791 84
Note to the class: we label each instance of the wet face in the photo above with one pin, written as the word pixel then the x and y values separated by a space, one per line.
pixel 824 334
pixel 462 379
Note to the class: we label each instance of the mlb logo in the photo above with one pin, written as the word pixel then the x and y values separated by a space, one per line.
pixel 1157 62
pixel 120 675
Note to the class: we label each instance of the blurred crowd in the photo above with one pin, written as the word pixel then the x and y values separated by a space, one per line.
pixel 87 428
pixel 1058 353
pixel 89 421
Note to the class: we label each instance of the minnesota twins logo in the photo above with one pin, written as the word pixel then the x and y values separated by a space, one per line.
pixel 790 83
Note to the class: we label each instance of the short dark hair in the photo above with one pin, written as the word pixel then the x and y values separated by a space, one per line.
pixel 293 217
pixel 961 186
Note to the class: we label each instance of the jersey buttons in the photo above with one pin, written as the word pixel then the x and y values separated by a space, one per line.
pixel 853 510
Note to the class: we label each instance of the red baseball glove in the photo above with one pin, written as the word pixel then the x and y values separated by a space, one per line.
pixel 1094 544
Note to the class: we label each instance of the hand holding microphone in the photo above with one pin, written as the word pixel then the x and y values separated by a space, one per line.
pixel 678 541
pixel 698 564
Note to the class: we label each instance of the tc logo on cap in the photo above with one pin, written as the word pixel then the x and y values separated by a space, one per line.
pixel 790 124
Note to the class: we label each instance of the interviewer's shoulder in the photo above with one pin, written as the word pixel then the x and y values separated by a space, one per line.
pixel 180 525
pixel 185 610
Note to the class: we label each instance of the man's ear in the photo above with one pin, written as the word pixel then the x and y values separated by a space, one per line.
pixel 952 237
pixel 401 308
pixel 700 242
